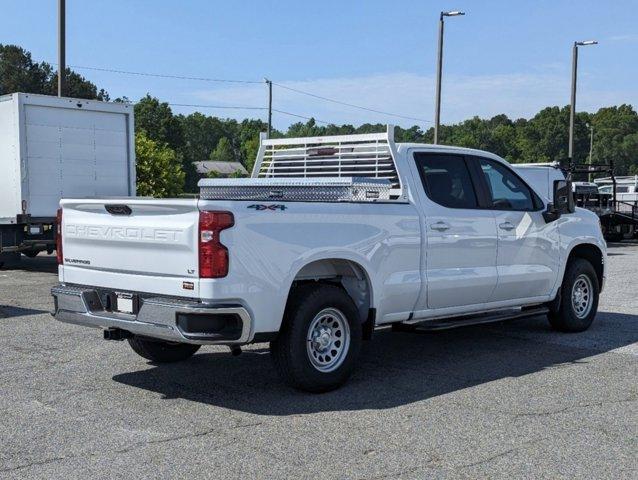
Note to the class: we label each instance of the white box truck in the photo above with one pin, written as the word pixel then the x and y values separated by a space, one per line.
pixel 53 148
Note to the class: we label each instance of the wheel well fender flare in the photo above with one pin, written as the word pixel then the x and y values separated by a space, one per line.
pixel 588 250
pixel 348 271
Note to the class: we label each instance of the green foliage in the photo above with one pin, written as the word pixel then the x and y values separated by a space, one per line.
pixel 238 174
pixel 157 121
pixel 19 73
pixel 159 171
pixel 201 134
pixel 249 149
pixel 223 151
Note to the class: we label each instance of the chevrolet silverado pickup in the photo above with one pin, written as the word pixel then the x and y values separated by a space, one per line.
pixel 329 239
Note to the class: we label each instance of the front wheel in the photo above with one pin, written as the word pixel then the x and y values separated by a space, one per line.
pixel 576 308
pixel 162 352
pixel 317 347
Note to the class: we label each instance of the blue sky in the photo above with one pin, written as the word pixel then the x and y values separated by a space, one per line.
pixel 510 57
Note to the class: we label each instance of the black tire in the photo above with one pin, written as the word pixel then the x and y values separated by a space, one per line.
pixel 563 315
pixel 291 351
pixel 30 253
pixel 162 352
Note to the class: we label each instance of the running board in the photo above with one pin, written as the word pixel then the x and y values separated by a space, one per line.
pixel 468 320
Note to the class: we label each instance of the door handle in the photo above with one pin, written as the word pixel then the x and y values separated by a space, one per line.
pixel 506 226
pixel 440 226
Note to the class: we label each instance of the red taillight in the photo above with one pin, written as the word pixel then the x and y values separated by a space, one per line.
pixel 213 256
pixel 58 237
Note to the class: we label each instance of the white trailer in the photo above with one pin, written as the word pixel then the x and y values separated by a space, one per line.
pixel 53 148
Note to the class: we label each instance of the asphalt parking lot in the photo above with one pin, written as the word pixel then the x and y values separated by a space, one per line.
pixel 508 401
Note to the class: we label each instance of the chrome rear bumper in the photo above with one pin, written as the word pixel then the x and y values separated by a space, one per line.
pixel 157 316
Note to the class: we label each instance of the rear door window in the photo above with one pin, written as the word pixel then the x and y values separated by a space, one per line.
pixel 446 180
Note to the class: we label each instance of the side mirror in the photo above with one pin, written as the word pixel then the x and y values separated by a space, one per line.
pixel 563 197
pixel 562 201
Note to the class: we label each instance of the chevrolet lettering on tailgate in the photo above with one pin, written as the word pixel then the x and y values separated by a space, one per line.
pixel 123 233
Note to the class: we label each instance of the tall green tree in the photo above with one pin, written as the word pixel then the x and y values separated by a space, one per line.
pixel 159 171
pixel 19 73
pixel 201 134
pixel 157 121
pixel 223 151
pixel 616 137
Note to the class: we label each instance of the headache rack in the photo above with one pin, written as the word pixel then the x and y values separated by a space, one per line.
pixel 367 155
pixel 340 168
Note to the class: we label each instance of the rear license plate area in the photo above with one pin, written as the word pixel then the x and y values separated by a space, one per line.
pixel 124 302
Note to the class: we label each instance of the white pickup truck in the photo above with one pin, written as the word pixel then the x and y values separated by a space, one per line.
pixel 332 237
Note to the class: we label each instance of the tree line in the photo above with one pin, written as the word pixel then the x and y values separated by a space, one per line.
pixel 167 144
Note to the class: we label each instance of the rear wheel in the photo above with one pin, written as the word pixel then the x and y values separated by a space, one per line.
pixel 320 339
pixel 576 308
pixel 162 352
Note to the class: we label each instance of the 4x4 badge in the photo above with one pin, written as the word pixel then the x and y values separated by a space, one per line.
pixel 273 206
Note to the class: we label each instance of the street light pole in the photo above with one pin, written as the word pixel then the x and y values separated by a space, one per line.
pixel 591 147
pixel 572 110
pixel 61 47
pixel 439 73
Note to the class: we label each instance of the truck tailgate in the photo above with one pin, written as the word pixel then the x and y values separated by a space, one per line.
pixel 144 245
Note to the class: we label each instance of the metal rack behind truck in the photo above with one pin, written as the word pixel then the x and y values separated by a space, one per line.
pixel 618 219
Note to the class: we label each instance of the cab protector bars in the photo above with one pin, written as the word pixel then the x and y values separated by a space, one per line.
pixel 369 155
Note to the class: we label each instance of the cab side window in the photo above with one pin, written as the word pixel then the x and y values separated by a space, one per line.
pixel 447 180
pixel 507 191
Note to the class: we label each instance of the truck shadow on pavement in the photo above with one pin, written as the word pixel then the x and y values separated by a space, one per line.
pixel 42 263
pixel 8 311
pixel 395 368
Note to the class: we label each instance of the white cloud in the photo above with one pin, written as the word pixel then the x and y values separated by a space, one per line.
pixel 517 95
pixel 629 37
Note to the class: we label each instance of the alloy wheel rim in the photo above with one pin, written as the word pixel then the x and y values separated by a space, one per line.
pixel 582 299
pixel 328 340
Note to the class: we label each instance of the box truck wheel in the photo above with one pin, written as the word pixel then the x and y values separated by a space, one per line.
pixel 162 352
pixel 576 308
pixel 320 338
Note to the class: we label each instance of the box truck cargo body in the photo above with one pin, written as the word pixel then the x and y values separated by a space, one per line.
pixel 52 148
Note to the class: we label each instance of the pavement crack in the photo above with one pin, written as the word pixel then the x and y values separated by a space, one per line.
pixel 504 453
pixel 36 463
pixel 128 449
pixel 568 408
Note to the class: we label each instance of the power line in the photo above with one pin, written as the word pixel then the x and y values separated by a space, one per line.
pixel 300 116
pixel 227 80
pixel 161 75
pixel 228 107
pixel 243 107
pixel 351 104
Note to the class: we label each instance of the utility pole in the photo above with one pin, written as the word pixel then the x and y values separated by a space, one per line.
pixel 61 47
pixel 591 147
pixel 572 110
pixel 269 83
pixel 439 73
